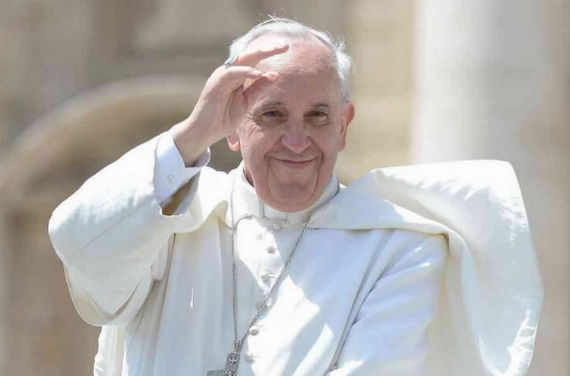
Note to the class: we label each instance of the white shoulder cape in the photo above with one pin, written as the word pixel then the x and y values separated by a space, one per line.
pixel 493 291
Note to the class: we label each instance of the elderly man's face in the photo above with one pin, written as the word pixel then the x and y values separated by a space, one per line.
pixel 294 127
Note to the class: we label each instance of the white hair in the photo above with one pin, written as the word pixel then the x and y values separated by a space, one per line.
pixel 342 63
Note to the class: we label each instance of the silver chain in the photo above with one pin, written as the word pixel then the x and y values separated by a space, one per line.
pixel 263 306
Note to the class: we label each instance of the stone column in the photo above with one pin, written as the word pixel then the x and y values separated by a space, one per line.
pixel 4 292
pixel 380 40
pixel 493 82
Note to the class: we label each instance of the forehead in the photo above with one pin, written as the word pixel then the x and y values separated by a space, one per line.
pixel 305 54
pixel 305 70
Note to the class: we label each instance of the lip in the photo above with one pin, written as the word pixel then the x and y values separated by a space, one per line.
pixel 295 164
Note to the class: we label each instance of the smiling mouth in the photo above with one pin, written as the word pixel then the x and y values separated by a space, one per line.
pixel 291 163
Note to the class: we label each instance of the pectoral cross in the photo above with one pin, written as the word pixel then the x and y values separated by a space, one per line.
pixel 232 363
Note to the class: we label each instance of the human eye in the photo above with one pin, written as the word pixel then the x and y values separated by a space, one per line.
pixel 272 116
pixel 318 116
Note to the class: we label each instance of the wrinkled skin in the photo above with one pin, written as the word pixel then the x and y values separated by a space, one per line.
pixel 293 125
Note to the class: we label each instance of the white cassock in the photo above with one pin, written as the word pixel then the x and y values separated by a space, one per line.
pixel 419 270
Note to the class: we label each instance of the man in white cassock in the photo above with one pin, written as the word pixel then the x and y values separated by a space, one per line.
pixel 276 268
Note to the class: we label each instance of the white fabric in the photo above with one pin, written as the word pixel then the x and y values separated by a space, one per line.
pixel 170 171
pixel 361 291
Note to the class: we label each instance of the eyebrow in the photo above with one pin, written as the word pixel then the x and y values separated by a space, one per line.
pixel 322 105
pixel 277 103
pixel 267 104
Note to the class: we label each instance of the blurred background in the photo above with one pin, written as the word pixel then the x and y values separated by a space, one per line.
pixel 81 82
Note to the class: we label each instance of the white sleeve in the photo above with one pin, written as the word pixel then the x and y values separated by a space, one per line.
pixel 170 172
pixel 389 335
pixel 112 234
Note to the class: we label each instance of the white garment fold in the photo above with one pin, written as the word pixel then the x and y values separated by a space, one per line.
pixel 368 290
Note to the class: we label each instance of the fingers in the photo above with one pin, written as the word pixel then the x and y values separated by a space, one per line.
pixel 242 71
pixel 251 86
pixel 241 94
pixel 254 57
pixel 229 79
pixel 236 76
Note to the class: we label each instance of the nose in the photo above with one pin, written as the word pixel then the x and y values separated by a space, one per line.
pixel 296 137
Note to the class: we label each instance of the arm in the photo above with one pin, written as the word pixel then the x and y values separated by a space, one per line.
pixel 389 335
pixel 112 234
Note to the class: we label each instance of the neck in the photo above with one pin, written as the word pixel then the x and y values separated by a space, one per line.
pixel 248 204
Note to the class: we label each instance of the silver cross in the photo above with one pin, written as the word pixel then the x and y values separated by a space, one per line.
pixel 232 364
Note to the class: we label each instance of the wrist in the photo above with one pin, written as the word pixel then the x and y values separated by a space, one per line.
pixel 190 140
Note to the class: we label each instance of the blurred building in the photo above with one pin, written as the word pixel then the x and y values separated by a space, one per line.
pixel 83 81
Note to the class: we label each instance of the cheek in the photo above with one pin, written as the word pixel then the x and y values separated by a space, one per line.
pixel 255 149
pixel 328 142
pixel 263 141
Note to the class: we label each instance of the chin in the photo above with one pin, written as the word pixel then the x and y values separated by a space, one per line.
pixel 292 199
pixel 289 207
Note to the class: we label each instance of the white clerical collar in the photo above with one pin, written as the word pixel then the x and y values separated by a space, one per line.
pixel 246 203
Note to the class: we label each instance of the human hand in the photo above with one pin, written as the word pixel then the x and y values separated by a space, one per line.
pixel 221 105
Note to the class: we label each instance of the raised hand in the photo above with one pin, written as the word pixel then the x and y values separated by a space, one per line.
pixel 221 104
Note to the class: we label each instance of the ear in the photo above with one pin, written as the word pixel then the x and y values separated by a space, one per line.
pixel 347 116
pixel 233 141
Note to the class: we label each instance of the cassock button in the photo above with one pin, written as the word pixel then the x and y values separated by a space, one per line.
pixel 249 357
pixel 275 226
pixel 261 305
pixel 171 179
pixel 265 277
pixel 253 331
pixel 271 249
